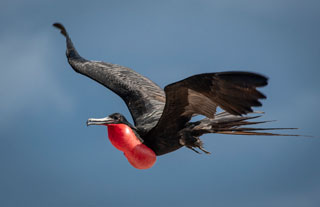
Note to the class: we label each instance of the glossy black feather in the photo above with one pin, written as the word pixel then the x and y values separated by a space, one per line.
pixel 235 92
pixel 162 118
pixel 143 97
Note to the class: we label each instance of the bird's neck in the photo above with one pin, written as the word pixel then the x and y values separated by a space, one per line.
pixel 124 139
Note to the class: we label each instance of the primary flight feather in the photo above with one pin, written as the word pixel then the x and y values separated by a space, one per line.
pixel 162 117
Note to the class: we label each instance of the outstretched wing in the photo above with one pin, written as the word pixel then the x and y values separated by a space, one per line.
pixel 143 97
pixel 235 92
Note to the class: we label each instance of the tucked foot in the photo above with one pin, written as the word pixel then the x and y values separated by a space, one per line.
pixel 192 142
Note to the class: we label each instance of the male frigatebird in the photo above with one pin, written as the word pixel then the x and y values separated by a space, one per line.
pixel 162 117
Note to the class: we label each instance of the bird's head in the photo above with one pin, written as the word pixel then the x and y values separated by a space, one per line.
pixel 120 131
pixel 115 118
pixel 125 138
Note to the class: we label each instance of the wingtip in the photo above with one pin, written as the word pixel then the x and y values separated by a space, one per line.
pixel 63 30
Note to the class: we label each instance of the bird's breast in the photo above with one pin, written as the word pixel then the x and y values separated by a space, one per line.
pixel 124 139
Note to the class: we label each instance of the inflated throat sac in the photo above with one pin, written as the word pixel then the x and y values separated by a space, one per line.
pixel 124 139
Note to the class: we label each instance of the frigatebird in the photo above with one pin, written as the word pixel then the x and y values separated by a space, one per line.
pixel 162 118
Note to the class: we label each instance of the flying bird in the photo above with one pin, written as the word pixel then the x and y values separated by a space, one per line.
pixel 162 118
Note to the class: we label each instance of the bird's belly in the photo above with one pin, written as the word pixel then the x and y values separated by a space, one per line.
pixel 124 139
pixel 162 151
pixel 163 145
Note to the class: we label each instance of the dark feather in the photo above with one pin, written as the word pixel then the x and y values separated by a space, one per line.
pixel 235 92
pixel 225 123
pixel 62 29
pixel 162 117
pixel 143 97
pixel 201 94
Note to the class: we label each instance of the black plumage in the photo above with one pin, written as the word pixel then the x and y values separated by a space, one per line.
pixel 144 98
pixel 162 117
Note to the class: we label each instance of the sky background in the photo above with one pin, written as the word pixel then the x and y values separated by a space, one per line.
pixel 48 156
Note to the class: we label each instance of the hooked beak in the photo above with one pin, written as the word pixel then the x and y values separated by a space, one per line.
pixel 102 121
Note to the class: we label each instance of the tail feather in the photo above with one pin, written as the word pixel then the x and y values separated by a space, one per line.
pixel 243 123
pixel 225 123
pixel 254 133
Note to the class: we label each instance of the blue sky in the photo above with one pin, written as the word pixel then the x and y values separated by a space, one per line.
pixel 49 157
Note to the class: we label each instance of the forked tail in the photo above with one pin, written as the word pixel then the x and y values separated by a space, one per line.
pixel 225 123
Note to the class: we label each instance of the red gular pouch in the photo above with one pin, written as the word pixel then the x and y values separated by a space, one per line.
pixel 124 139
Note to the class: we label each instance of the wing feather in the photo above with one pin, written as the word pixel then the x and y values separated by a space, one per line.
pixel 143 97
pixel 235 92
